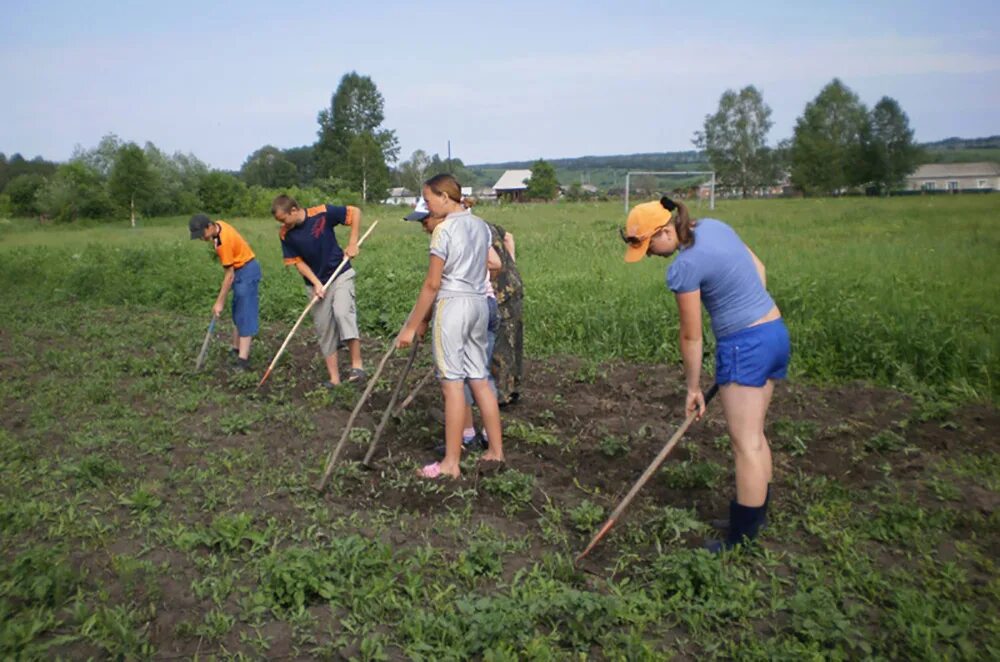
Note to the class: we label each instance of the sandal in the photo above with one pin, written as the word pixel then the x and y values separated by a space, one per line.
pixel 357 376
pixel 433 471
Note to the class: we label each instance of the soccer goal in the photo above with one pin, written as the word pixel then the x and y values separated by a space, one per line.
pixel 685 185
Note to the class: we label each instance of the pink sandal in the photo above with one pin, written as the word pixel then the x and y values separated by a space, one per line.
pixel 432 470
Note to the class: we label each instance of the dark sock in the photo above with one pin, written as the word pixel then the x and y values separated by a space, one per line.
pixel 744 522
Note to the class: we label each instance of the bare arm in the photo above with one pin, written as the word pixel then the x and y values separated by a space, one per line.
pixel 761 271
pixel 689 307
pixel 227 284
pixel 508 243
pixel 308 274
pixel 493 263
pixel 352 248
pixel 424 306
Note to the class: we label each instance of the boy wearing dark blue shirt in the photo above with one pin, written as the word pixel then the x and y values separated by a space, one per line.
pixel 308 242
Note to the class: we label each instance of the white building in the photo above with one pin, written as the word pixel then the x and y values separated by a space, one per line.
pixel 980 176
pixel 512 185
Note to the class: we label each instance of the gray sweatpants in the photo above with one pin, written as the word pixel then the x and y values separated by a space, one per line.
pixel 335 315
pixel 460 337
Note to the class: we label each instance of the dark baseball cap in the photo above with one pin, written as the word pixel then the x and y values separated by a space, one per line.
pixel 419 213
pixel 198 224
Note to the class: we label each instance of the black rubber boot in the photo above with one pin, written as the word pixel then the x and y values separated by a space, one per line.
pixel 723 524
pixel 745 524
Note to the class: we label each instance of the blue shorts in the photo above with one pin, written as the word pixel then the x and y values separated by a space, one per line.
pixel 246 302
pixel 753 355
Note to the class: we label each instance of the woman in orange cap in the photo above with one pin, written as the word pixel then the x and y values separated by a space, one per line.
pixel 713 266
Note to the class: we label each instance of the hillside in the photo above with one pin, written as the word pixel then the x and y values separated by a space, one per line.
pixel 608 171
pixel 604 172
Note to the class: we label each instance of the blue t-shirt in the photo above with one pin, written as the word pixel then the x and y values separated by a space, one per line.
pixel 314 242
pixel 719 264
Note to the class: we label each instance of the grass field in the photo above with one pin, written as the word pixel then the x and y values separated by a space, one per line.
pixel 147 511
pixel 900 292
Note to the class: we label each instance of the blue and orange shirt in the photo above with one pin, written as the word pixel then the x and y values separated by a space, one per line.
pixel 314 242
pixel 231 247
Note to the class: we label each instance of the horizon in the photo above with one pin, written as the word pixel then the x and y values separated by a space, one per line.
pixel 607 81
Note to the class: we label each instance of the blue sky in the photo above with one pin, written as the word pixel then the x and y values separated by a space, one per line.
pixel 502 80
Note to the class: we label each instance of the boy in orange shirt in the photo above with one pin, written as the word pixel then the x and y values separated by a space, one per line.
pixel 241 275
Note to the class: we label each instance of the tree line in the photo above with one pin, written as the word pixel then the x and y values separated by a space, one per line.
pixel 348 163
pixel 838 144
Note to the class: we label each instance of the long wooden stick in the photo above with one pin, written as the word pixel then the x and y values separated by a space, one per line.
pixel 646 475
pixel 332 460
pixel 312 302
pixel 392 402
pixel 416 389
pixel 204 346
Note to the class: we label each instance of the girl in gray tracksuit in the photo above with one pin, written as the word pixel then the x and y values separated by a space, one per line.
pixel 455 292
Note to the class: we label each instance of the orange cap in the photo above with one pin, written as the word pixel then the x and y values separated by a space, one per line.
pixel 643 221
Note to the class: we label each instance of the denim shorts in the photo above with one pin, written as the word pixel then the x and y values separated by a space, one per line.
pixel 246 301
pixel 753 355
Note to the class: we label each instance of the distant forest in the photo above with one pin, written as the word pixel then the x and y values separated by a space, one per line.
pixel 603 172
pixel 607 172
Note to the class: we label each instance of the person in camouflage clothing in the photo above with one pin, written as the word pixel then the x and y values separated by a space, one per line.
pixel 508 353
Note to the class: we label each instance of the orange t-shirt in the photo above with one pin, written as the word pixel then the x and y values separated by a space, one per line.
pixel 232 249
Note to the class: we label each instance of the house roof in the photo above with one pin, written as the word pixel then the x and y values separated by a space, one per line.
pixel 512 180
pixel 944 170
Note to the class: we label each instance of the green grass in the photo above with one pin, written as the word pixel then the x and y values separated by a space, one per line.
pixel 901 292
pixel 117 509
pixel 145 507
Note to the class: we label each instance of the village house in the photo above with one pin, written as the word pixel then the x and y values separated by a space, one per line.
pixel 955 177
pixel 512 185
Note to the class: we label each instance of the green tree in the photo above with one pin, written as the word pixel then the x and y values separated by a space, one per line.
pixel 735 140
pixel 23 193
pixel 220 192
pixel 179 176
pixel 414 171
pixel 543 184
pixel 366 168
pixel 304 159
pixel 889 151
pixel 268 168
pixel 356 108
pixel 15 165
pixel 100 159
pixel 132 182
pixel 75 191
pixel 826 153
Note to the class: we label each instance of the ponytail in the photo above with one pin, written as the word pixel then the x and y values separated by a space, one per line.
pixel 683 223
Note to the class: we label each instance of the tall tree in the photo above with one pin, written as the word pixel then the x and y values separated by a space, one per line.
pixel 100 159
pixel 413 171
pixel 178 177
pixel 75 190
pixel 356 108
pixel 269 168
pixel 826 154
pixel 366 168
pixel 543 184
pixel 304 159
pixel 889 151
pixel 735 139
pixel 132 182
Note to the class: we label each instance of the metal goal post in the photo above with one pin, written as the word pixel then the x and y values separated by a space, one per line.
pixel 683 173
